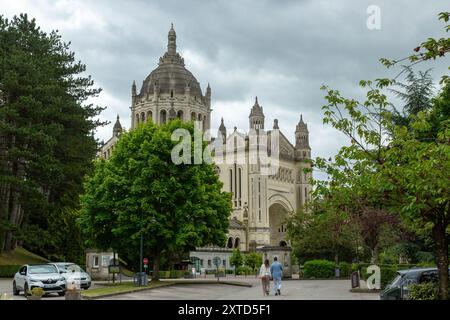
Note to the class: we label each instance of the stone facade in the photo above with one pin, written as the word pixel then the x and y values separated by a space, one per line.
pixel 261 202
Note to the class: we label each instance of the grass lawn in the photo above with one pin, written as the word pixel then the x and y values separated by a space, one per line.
pixel 20 256
pixel 123 288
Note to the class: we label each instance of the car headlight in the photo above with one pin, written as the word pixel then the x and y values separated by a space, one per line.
pixel 62 279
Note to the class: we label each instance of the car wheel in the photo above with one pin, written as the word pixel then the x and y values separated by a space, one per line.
pixel 25 290
pixel 15 291
pixel 61 294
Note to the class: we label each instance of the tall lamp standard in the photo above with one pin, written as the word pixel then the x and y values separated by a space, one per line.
pixel 141 251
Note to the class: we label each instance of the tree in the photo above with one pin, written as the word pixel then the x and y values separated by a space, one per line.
pixel 46 135
pixel 253 260
pixel 416 93
pixel 321 231
pixel 140 190
pixel 236 259
pixel 419 171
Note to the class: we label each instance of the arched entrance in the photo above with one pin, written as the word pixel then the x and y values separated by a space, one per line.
pixel 277 225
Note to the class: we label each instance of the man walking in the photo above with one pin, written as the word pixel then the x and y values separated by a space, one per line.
pixel 276 269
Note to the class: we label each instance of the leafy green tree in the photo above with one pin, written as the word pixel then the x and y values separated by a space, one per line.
pixel 140 190
pixel 322 231
pixel 236 259
pixel 253 260
pixel 419 171
pixel 416 93
pixel 46 135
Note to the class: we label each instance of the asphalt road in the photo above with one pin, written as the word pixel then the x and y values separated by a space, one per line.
pixel 291 290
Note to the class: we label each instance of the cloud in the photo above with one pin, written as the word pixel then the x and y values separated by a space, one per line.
pixel 280 51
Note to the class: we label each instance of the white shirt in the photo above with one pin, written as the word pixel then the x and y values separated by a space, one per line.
pixel 264 271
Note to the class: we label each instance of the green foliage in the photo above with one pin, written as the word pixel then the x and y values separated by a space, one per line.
pixel 245 271
pixel 253 260
pixel 139 189
pixel 423 291
pixel 236 259
pixel 319 269
pixel 322 230
pixel 37 291
pixel 8 271
pixel 345 268
pixel 46 140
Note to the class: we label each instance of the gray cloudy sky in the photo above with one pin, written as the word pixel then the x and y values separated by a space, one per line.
pixel 280 51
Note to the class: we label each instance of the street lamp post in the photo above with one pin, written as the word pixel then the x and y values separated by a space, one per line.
pixel 141 250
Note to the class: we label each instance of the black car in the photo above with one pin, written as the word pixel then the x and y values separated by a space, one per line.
pixel 398 288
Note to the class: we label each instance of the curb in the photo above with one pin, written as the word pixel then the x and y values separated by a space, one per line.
pixel 106 295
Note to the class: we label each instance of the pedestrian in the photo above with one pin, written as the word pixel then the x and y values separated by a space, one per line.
pixel 276 270
pixel 264 274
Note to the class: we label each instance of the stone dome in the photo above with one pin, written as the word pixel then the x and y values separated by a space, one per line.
pixel 171 74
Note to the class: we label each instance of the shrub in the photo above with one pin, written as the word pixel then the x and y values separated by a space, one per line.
pixel 423 291
pixel 244 270
pixel 8 271
pixel 424 257
pixel 38 292
pixel 229 271
pixel 319 269
pixel 345 269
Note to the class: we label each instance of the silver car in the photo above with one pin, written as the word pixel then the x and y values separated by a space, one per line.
pixel 43 276
pixel 73 274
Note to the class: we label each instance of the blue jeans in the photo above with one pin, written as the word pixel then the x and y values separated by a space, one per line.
pixel 276 284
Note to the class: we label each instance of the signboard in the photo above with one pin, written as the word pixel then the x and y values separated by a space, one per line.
pixel 145 261
pixel 355 279
pixel 114 269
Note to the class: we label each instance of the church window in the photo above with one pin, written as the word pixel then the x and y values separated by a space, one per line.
pixel 137 119
pixel 193 116
pixel 180 115
pixel 240 184
pixel 230 243
pixel 149 115
pixel 231 180
pixel 171 93
pixel 201 262
pixel 237 242
pixel 142 116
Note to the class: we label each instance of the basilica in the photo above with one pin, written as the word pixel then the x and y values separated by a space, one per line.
pixel 261 202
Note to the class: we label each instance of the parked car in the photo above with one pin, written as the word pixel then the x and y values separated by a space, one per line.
pixel 398 288
pixel 73 274
pixel 44 276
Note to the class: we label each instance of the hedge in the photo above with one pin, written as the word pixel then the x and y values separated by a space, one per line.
pixel 8 271
pixel 345 269
pixel 423 291
pixel 245 270
pixel 172 274
pixel 319 269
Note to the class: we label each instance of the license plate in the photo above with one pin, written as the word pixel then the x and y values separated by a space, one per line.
pixel 49 285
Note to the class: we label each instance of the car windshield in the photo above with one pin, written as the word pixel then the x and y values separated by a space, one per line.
pixel 71 267
pixel 42 269
pixel 396 282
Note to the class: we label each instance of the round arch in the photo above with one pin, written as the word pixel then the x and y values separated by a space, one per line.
pixel 281 200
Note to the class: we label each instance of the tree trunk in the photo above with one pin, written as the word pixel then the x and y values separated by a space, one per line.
pixel 374 257
pixel 155 276
pixel 439 237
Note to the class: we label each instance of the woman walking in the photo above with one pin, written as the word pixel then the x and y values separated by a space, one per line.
pixel 264 274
